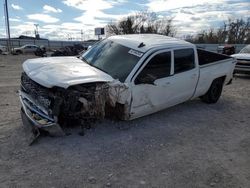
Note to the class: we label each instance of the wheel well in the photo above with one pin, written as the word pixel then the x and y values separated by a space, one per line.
pixel 222 78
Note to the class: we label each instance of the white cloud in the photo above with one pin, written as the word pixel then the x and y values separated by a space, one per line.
pixel 89 5
pixel 93 11
pixel 14 20
pixel 53 31
pixel 16 7
pixel 190 16
pixel 97 18
pixel 164 5
pixel 67 30
pixel 43 18
pixel 26 28
pixel 194 16
pixel 48 8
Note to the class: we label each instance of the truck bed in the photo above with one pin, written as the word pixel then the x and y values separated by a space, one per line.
pixel 206 57
pixel 213 65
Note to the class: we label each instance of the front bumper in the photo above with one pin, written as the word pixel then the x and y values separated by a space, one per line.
pixel 36 118
pixel 242 66
pixel 242 69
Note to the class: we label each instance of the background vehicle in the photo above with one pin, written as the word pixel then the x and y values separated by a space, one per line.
pixel 243 60
pixel 125 77
pixel 25 49
pixel 41 51
pixel 2 49
pixel 227 49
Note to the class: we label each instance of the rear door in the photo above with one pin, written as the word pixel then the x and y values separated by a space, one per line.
pixel 186 74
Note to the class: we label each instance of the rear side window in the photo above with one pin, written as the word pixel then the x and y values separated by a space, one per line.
pixel 158 67
pixel 206 57
pixel 183 60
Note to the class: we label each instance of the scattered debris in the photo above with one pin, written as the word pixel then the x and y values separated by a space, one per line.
pixel 108 184
pixel 69 50
pixel 142 182
pixel 92 180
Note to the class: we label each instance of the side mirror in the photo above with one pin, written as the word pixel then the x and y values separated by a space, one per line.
pixel 146 79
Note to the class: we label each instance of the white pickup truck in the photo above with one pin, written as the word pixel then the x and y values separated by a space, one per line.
pixel 124 77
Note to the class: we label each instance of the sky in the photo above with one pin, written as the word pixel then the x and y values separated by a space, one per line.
pixel 67 19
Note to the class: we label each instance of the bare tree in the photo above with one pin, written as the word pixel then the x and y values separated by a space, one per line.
pixel 143 22
pixel 113 29
pixel 167 27
pixel 222 33
pixel 238 30
pixel 232 32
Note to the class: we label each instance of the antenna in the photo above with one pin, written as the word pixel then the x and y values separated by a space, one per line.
pixel 141 45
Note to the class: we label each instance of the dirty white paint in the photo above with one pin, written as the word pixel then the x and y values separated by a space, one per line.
pixel 141 99
pixel 119 92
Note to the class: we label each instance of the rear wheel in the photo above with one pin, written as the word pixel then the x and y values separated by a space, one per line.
pixel 214 92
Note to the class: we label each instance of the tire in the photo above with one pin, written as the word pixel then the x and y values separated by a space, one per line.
pixel 19 52
pixel 214 92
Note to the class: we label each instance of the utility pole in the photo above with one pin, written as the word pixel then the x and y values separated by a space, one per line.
pixel 81 35
pixel 7 24
pixel 36 31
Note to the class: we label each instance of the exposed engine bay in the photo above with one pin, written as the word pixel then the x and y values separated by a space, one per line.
pixel 79 105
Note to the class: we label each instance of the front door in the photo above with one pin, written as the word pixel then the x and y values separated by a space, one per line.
pixel 150 91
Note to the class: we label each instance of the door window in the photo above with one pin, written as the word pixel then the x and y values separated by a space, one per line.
pixel 158 67
pixel 183 60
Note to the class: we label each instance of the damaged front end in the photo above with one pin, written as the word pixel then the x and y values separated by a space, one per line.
pixel 52 109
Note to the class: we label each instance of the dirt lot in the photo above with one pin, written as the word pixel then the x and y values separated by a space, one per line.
pixel 189 145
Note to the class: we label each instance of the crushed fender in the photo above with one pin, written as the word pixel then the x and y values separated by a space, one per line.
pixel 51 109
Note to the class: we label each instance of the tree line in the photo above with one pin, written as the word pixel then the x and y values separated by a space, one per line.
pixel 143 22
pixel 232 31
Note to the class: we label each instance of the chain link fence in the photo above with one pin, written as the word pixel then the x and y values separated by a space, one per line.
pixel 48 44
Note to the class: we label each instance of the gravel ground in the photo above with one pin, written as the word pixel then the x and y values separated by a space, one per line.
pixel 189 145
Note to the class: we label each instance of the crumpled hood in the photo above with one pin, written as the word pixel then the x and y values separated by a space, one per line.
pixel 241 56
pixel 63 72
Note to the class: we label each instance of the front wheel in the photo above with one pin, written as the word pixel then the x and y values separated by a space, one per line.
pixel 214 92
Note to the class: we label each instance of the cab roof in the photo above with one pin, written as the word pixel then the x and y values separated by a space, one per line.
pixel 145 42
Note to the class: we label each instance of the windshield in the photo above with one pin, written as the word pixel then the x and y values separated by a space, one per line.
pixel 245 50
pixel 112 58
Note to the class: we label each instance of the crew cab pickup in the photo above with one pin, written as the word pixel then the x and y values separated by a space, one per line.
pixel 124 77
